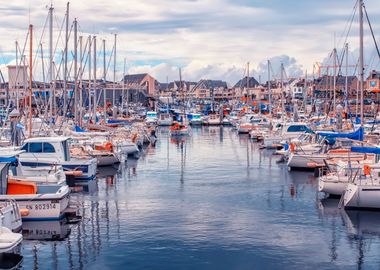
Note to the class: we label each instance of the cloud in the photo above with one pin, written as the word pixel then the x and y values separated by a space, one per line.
pixel 208 38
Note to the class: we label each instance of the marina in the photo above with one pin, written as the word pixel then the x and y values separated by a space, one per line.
pixel 240 209
pixel 260 167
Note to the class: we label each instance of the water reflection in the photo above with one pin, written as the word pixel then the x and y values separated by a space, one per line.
pixel 212 200
pixel 45 230
pixel 10 260
pixel 361 223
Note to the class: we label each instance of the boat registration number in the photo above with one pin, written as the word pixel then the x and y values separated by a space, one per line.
pixel 42 206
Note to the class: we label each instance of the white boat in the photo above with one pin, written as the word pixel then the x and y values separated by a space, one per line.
pixel 40 201
pixel 48 151
pixel 363 192
pixel 10 215
pixel 336 180
pixel 53 174
pixel 179 130
pixel 195 119
pixel 8 239
pixel 151 118
pixel 301 160
pixel 165 119
pixel 126 146
pixel 285 132
pixel 213 119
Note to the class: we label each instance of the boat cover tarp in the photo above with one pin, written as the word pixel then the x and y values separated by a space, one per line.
pixel 367 150
pixel 78 129
pixel 12 160
pixel 356 135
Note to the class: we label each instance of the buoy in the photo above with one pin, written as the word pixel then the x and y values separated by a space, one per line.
pixel 292 147
pixel 108 146
pixel 24 212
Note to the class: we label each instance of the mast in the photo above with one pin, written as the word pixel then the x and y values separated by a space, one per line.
pixel 51 64
pixel 114 78
pixel 334 82
pixel 248 91
pixel 30 78
pixel 122 94
pixel 76 70
pixel 183 96
pixel 16 85
pixel 95 99
pixel 65 63
pixel 269 90
pixel 105 82
pixel 361 62
pixel 89 77
pixel 282 89
pixel 80 81
pixel 346 82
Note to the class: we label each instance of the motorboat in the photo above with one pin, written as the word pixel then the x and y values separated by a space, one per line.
pixel 165 119
pixel 195 119
pixel 39 201
pixel 213 119
pixel 48 151
pixel 151 118
pixel 178 129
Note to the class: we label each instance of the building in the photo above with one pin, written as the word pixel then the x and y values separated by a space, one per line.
pixel 324 85
pixel 373 81
pixel 142 81
pixel 208 89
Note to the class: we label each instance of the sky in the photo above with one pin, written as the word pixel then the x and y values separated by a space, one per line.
pixel 207 39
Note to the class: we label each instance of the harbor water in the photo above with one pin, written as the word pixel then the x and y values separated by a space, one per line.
pixel 212 200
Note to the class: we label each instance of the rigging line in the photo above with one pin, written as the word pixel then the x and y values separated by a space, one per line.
pixel 373 35
pixel 350 26
pixel 60 33
pixel 241 81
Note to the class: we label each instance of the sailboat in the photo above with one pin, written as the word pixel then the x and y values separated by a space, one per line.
pixel 180 129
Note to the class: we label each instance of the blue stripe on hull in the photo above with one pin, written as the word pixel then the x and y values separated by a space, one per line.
pixel 44 218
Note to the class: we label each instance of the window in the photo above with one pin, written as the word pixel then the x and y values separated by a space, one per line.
pixel 48 148
pixel 35 147
pixel 25 147
pixel 297 128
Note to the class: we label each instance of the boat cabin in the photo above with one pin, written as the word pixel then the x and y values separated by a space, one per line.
pixel 53 148
pixel 151 115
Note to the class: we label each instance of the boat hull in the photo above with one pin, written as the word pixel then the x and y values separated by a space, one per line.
pixel 50 206
pixel 362 196
pixel 332 184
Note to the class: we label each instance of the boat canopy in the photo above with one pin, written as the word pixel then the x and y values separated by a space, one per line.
pixel 78 129
pixel 356 135
pixel 367 150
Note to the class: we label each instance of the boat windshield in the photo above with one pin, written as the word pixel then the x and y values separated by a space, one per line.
pixel 297 128
pixel 151 115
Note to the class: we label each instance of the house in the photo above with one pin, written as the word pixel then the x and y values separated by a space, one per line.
pixel 246 86
pixel 144 81
pixel 324 85
pixel 373 81
pixel 207 89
